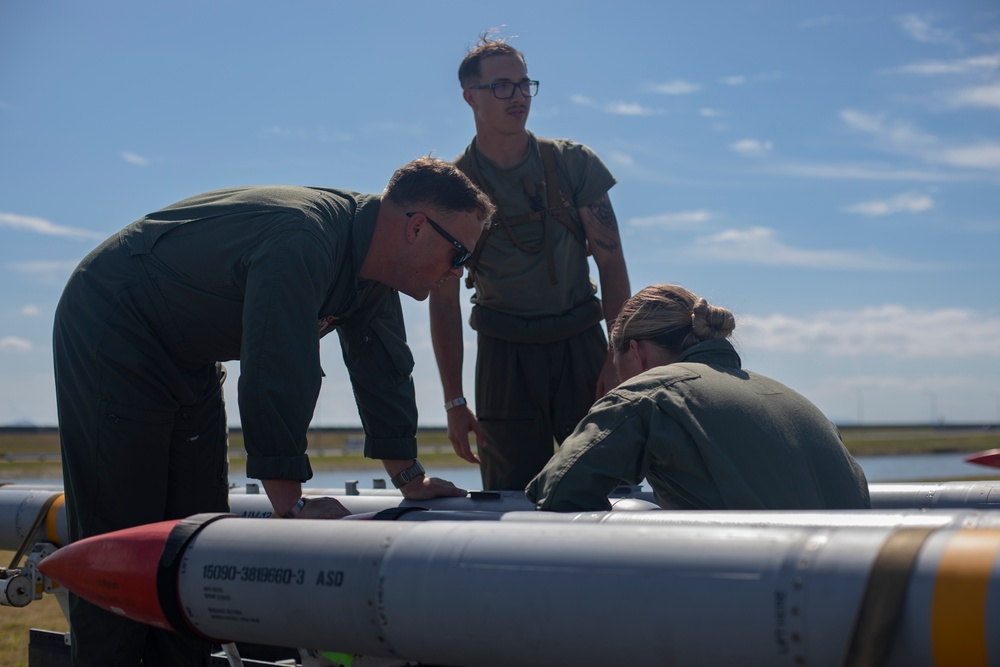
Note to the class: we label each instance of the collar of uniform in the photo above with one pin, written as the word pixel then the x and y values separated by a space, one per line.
pixel 719 352
pixel 364 227
pixel 475 154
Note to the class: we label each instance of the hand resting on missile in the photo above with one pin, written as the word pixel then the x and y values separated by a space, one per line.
pixel 320 507
pixel 425 488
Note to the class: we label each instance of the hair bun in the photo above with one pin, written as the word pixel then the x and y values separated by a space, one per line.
pixel 709 322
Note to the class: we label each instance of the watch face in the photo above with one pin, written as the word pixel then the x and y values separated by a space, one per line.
pixel 408 474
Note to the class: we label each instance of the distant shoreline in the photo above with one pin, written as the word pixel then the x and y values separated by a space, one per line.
pixel 33 452
pixel 850 426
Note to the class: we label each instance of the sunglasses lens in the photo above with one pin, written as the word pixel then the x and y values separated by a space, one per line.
pixel 460 259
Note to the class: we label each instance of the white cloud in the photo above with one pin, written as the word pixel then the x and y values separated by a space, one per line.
pixel 896 133
pixel 985 64
pixel 15 345
pixel 977 96
pixel 54 273
pixel 676 87
pixel 751 147
pixel 41 266
pixel 623 159
pixel 890 330
pixel 30 310
pixel 921 29
pixel 982 156
pixel 678 220
pixel 759 246
pixel 907 202
pixel 760 77
pixel 133 158
pixel 902 137
pixel 708 112
pixel 629 109
pixel 865 172
pixel 41 226
pixel 616 108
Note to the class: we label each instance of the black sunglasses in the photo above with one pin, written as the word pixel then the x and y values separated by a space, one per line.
pixel 462 256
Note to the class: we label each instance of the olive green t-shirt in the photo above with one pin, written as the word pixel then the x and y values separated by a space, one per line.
pixel 512 281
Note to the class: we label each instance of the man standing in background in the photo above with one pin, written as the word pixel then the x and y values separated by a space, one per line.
pixel 542 356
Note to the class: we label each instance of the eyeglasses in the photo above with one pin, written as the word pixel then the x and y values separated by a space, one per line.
pixel 462 256
pixel 504 90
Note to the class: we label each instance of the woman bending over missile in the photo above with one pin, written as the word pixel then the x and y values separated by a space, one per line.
pixel 703 432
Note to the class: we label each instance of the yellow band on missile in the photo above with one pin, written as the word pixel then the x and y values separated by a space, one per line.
pixel 958 608
pixel 51 530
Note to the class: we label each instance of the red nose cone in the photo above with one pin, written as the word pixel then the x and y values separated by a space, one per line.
pixel 990 457
pixel 115 571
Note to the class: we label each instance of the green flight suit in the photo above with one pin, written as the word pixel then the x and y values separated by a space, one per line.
pixel 706 435
pixel 257 274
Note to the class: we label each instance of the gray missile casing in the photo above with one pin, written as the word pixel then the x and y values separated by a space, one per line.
pixel 536 593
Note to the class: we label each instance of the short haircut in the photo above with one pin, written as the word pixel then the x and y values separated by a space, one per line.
pixel 438 184
pixel 468 71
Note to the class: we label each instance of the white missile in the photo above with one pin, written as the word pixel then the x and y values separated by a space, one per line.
pixel 940 495
pixel 557 593
pixel 21 507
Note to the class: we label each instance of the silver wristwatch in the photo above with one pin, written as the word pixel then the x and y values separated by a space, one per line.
pixel 407 475
pixel 454 403
pixel 295 509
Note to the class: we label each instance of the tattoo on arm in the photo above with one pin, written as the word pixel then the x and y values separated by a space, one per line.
pixel 607 236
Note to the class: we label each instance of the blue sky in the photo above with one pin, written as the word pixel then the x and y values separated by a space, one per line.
pixel 829 171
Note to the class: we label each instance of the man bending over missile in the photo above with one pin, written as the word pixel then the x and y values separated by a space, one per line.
pixel 258 274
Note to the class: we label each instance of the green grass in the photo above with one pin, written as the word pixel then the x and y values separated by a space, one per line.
pixel 888 441
pixel 15 624
pixel 26 455
pixel 327 447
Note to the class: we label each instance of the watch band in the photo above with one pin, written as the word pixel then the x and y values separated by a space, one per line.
pixel 295 509
pixel 454 403
pixel 407 475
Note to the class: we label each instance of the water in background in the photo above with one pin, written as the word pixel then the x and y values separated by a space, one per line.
pixel 877 469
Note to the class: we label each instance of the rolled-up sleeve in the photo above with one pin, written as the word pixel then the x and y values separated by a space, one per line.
pixel 608 447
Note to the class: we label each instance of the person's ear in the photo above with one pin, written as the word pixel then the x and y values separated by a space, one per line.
pixel 470 99
pixel 414 224
pixel 638 352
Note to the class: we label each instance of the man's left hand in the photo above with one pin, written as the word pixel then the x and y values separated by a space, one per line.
pixel 425 488
pixel 322 507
